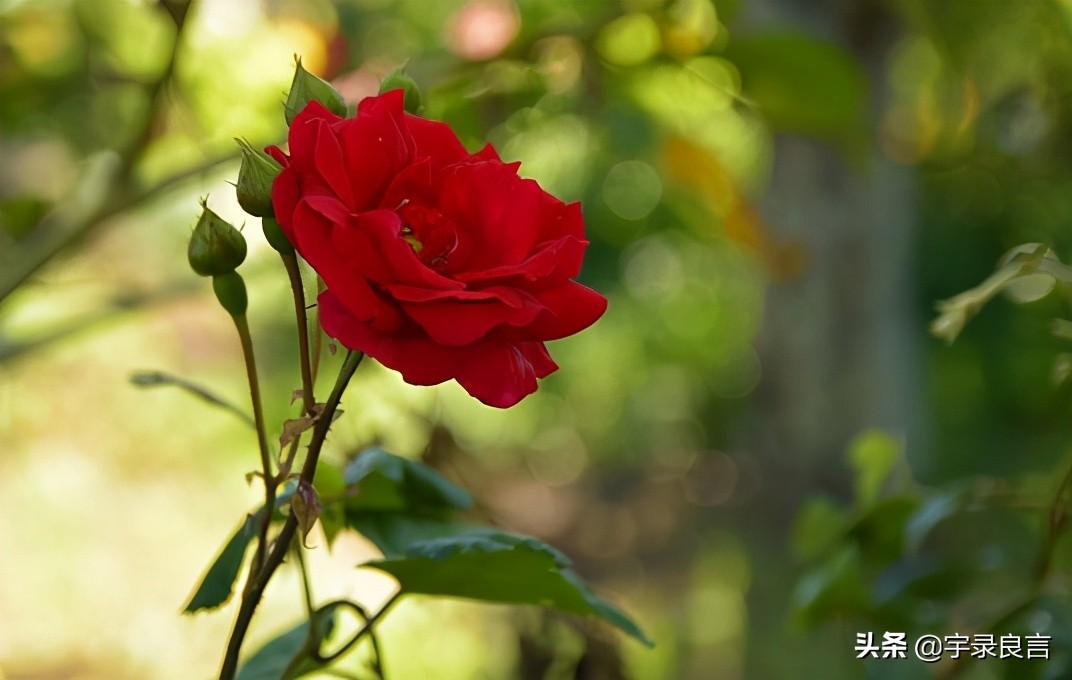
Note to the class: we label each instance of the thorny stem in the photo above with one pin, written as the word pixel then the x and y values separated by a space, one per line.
pixel 258 578
pixel 318 336
pixel 291 264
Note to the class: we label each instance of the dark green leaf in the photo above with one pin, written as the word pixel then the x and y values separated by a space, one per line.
pixel 922 576
pixel 393 533
pixel 930 513
pixel 834 589
pixel 880 531
pixel 276 659
pixel 803 84
pixel 217 585
pixel 492 566
pixel 383 481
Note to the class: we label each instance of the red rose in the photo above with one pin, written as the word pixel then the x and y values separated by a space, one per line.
pixel 440 264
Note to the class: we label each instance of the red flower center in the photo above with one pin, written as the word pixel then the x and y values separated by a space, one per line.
pixel 429 232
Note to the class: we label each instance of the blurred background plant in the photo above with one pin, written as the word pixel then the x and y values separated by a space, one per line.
pixel 776 193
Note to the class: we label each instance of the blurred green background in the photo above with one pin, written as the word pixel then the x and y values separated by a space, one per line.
pixel 758 452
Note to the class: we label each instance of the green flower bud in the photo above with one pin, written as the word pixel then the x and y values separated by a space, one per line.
pixel 306 88
pixel 273 233
pixel 215 246
pixel 255 177
pixel 230 290
pixel 399 80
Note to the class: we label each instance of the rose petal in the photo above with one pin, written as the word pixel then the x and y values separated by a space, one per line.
pixel 553 263
pixel 434 140
pixel 375 146
pixel 313 241
pixel 331 166
pixel 372 245
pixel 285 195
pixel 495 372
pixel 420 361
pixel 456 323
pixel 500 376
pixel 570 308
pixel 496 214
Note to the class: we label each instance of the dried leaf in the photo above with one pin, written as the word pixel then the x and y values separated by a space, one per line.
pixel 306 507
pixel 293 428
pixel 296 395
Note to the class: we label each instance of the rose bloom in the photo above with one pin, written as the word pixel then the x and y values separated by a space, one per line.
pixel 439 263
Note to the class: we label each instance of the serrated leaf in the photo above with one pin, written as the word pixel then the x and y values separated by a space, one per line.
pixel 393 533
pixel 275 660
pixel 493 566
pixel 384 481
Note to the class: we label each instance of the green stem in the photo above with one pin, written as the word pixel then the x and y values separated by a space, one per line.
pixel 294 273
pixel 1057 516
pixel 262 442
pixel 370 621
pixel 313 637
pixel 258 579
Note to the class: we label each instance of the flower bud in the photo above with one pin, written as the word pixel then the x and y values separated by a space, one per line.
pixel 306 88
pixel 399 80
pixel 215 247
pixel 273 233
pixel 255 177
pixel 230 290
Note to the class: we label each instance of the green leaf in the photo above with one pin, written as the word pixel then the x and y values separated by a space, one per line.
pixel 218 583
pixel 922 577
pixel 493 566
pixel 393 533
pixel 20 214
pixel 819 525
pixel 880 532
pixel 836 588
pixel 931 512
pixel 384 481
pixel 872 455
pixel 276 659
pixel 1026 272
pixel 373 480
pixel 159 379
pixel 803 84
